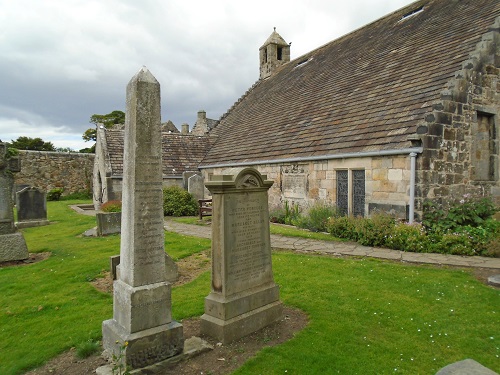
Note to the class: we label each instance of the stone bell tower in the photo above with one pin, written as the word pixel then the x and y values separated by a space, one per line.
pixel 273 53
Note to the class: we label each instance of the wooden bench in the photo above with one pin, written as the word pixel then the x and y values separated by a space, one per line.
pixel 205 208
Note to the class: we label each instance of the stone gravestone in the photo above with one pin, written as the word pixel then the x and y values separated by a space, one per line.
pixel 31 204
pixel 244 296
pixel 12 244
pixel 196 186
pixel 142 314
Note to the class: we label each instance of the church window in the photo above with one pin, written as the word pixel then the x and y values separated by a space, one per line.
pixel 351 192
pixel 280 53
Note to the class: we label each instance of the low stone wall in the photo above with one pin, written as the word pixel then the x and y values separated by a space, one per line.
pixel 50 170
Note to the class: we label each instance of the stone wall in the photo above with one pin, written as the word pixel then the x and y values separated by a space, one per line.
pixel 461 135
pixel 386 182
pixel 49 170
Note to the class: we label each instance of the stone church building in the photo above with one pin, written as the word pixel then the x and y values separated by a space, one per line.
pixel 401 110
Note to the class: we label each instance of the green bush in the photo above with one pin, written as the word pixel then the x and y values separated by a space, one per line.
pixel 317 217
pixel 178 202
pixel 78 195
pixel 374 231
pixel 343 227
pixel 468 211
pixel 112 206
pixel 54 194
pixel 287 214
pixel 408 237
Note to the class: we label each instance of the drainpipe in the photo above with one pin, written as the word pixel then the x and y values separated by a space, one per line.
pixel 413 157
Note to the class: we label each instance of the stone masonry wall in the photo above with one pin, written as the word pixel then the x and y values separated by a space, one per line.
pixel 387 181
pixel 453 148
pixel 49 170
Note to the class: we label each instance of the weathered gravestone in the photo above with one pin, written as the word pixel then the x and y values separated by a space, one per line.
pixel 12 244
pixel 196 186
pixel 244 296
pixel 31 204
pixel 142 314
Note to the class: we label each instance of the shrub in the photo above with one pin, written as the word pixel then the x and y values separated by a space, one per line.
pixel 54 194
pixel 277 215
pixel 374 231
pixel 178 202
pixel 287 214
pixel 317 217
pixel 468 211
pixel 343 227
pixel 82 194
pixel 112 206
pixel 408 237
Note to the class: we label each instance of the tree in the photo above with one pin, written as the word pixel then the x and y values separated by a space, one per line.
pixel 27 143
pixel 108 120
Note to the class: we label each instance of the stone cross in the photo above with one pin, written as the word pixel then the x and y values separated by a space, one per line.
pixel 142 296
pixel 12 244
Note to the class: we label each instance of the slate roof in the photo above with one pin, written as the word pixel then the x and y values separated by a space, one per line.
pixel 181 153
pixel 365 91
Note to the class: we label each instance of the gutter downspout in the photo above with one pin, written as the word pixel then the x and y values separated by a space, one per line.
pixel 413 157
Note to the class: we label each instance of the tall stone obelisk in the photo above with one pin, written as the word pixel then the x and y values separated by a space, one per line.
pixel 142 296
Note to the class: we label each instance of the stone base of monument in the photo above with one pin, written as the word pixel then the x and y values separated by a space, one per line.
pixel 232 318
pixel 192 347
pixel 145 347
pixel 13 247
pixel 31 223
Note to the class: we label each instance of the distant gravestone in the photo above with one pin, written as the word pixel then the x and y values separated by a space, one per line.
pixel 108 223
pixel 12 243
pixel 31 204
pixel 142 314
pixel 196 186
pixel 185 178
pixel 244 296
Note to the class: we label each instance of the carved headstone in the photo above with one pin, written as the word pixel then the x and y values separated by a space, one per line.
pixel 31 204
pixel 12 244
pixel 244 296
pixel 142 297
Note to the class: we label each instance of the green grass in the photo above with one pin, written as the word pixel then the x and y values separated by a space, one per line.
pixel 366 316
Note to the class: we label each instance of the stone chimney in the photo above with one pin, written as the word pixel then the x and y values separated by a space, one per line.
pixel 201 127
pixel 185 129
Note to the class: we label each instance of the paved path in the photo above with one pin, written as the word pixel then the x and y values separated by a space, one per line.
pixel 348 248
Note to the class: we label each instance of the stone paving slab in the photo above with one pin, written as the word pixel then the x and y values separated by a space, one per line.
pixel 349 249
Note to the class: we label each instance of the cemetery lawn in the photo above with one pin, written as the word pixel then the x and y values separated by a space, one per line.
pixel 365 316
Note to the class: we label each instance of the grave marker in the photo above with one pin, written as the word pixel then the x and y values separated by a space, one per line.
pixel 142 296
pixel 31 204
pixel 12 243
pixel 196 186
pixel 244 296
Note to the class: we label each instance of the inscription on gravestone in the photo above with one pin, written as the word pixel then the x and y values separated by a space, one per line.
pixel 244 297
pixel 142 314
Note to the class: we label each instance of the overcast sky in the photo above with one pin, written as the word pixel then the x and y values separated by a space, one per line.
pixel 62 61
